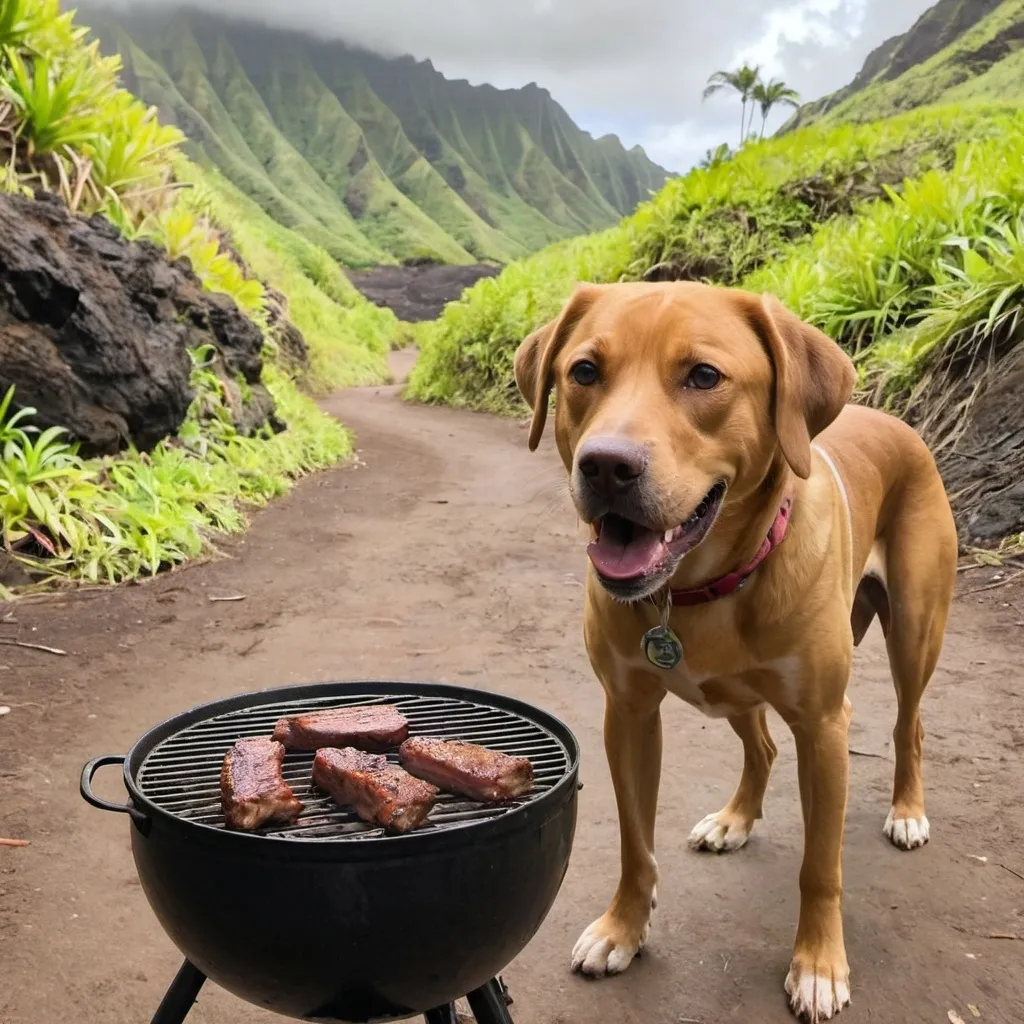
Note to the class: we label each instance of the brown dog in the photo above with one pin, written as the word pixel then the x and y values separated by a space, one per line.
pixel 710 446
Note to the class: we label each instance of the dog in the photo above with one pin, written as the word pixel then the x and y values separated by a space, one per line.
pixel 748 524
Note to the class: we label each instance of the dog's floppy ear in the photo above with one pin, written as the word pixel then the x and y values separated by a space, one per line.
pixel 537 352
pixel 814 379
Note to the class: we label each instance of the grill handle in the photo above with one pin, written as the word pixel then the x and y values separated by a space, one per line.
pixel 142 822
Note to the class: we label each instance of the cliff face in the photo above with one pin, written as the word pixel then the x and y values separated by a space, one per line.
pixel 375 159
pixel 956 49
pixel 95 331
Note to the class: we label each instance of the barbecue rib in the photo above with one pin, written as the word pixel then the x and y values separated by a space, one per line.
pixel 252 789
pixel 467 768
pixel 379 792
pixel 373 727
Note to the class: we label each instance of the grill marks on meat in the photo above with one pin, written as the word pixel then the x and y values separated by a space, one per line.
pixel 467 768
pixel 373 727
pixel 379 792
pixel 252 788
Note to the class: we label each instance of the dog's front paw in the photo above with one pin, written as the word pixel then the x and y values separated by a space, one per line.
pixel 721 832
pixel 608 946
pixel 907 833
pixel 817 991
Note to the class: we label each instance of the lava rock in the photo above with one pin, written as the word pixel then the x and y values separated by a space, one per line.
pixel 95 331
pixel 290 340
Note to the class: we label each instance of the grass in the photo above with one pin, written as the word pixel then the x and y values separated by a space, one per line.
pixel 116 518
pixel 934 272
pixel 67 125
pixel 777 203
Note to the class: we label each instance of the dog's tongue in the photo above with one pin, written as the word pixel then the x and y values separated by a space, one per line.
pixel 618 561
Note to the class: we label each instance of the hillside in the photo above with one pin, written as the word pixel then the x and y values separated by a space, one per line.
pixel 160 334
pixel 958 50
pixel 376 160
pixel 901 239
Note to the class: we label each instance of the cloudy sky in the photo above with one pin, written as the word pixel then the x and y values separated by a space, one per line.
pixel 633 67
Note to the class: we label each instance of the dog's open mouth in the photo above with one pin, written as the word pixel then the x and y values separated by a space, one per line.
pixel 626 551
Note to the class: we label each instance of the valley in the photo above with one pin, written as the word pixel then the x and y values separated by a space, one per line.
pixel 376 160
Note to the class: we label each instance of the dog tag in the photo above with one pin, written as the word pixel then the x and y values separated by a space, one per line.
pixel 661 647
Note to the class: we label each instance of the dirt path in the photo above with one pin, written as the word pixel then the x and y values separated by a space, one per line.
pixel 451 554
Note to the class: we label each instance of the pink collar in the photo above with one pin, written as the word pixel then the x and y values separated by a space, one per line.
pixel 726 585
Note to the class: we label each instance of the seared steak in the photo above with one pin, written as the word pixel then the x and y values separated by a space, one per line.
pixel 252 789
pixel 373 727
pixel 467 768
pixel 379 792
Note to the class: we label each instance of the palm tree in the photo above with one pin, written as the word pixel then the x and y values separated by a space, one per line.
pixel 743 80
pixel 771 95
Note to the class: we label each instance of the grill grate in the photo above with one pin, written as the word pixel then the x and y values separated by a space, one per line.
pixel 181 774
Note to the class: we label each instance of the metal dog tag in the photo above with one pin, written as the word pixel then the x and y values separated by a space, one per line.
pixel 661 647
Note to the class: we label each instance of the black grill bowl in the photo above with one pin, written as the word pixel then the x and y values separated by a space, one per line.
pixel 331 920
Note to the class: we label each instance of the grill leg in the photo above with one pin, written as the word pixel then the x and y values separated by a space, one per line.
pixel 178 999
pixel 489 1003
pixel 442 1015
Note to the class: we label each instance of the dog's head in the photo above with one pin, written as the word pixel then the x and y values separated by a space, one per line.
pixel 674 404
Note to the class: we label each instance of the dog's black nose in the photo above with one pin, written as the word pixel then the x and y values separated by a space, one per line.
pixel 611 465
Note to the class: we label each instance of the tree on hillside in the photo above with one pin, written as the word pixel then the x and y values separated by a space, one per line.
pixel 772 94
pixel 744 80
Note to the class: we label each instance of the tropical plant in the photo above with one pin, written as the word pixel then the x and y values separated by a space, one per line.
pixel 58 103
pixel 768 95
pixel 716 156
pixel 743 80
pixel 129 157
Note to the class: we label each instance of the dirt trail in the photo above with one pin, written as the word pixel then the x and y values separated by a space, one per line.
pixel 451 554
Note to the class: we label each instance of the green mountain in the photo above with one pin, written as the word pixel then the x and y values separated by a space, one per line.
pixel 957 51
pixel 376 160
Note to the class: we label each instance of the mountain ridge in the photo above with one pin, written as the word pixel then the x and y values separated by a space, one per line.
pixel 378 160
pixel 956 50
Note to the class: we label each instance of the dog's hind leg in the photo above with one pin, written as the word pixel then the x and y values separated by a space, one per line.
pixel 921 576
pixel 729 828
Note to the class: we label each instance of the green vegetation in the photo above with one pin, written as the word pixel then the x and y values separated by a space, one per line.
pixel 932 277
pixel 375 160
pixel 66 125
pixel 742 219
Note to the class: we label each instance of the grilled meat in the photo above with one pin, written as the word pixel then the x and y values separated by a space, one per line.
pixel 372 727
pixel 379 792
pixel 467 768
pixel 252 789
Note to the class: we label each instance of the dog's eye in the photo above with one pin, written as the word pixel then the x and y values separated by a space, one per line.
pixel 703 377
pixel 584 373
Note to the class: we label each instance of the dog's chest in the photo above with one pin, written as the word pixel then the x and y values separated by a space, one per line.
pixel 715 693
pixel 717 696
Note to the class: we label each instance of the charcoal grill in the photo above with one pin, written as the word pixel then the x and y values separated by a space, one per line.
pixel 331 919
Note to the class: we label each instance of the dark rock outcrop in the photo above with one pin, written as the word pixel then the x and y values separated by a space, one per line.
pixel 95 331
pixel 419 290
pixel 291 343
